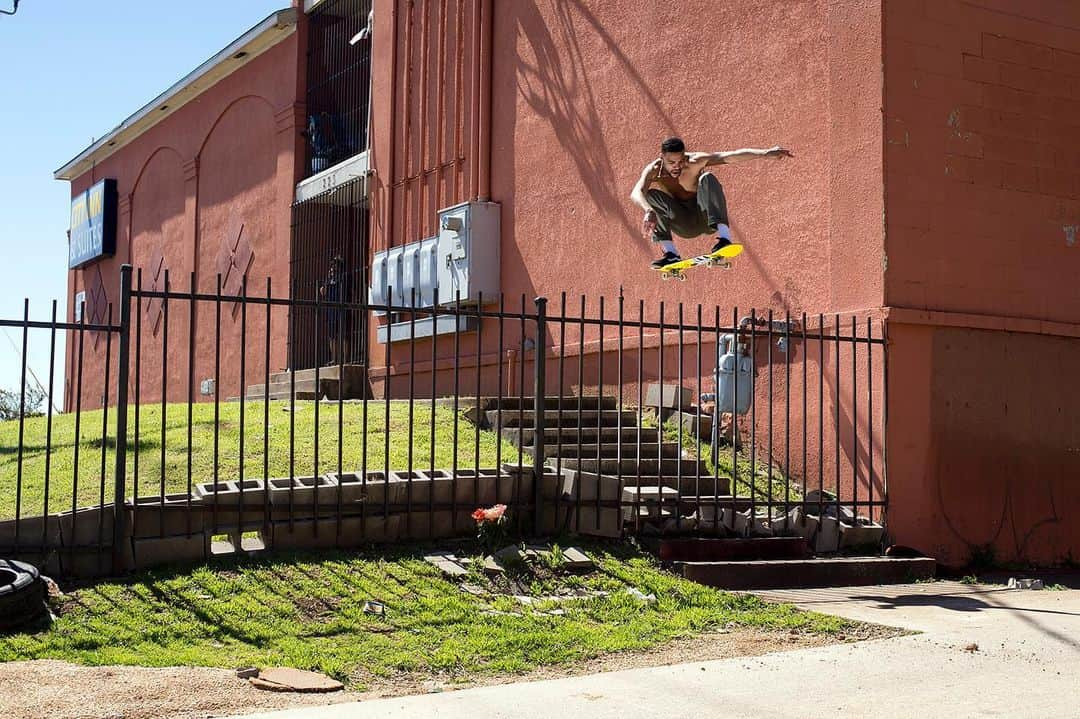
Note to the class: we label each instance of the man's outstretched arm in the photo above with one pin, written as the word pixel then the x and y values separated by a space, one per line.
pixel 638 193
pixel 729 156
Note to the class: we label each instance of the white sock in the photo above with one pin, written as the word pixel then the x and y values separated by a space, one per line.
pixel 723 231
pixel 668 246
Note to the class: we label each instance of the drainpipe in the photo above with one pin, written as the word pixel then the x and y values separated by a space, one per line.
pixel 391 126
pixel 474 181
pixel 486 59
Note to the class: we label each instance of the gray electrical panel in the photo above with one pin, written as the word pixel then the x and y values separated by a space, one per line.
pixel 461 264
pixel 468 262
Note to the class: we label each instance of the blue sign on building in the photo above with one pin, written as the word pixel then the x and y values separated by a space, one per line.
pixel 93 224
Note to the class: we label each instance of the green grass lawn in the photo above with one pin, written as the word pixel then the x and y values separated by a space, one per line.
pixel 766 481
pixel 305 611
pixel 148 451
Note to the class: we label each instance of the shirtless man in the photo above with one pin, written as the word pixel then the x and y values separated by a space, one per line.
pixel 679 196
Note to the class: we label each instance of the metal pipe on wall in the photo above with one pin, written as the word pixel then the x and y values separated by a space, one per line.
pixel 440 110
pixel 474 181
pixel 485 62
pixel 425 107
pixel 390 179
pixel 406 184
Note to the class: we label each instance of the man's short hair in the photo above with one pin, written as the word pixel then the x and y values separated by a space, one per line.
pixel 672 144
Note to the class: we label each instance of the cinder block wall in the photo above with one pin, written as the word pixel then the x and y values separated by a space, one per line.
pixel 982 198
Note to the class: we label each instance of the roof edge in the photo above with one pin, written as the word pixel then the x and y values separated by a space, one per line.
pixel 268 33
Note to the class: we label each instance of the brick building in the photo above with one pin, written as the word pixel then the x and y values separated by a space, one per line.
pixel 935 186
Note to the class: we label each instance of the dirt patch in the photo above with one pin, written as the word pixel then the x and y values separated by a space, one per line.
pixel 58 690
pixel 316 610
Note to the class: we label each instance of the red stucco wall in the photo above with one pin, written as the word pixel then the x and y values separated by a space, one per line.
pixel 582 93
pixel 186 186
pixel 982 167
pixel 594 87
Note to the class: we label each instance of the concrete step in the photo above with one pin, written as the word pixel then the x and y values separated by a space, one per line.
pixel 350 371
pixel 698 549
pixel 647 450
pixel 795 573
pixel 304 389
pixel 571 435
pixel 633 467
pixel 565 403
pixel 687 485
pixel 555 418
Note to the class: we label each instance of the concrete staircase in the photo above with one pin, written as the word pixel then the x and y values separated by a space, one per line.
pixel 606 459
pixel 334 382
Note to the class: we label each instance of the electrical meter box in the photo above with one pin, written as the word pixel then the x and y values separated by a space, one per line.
pixel 734 377
pixel 468 253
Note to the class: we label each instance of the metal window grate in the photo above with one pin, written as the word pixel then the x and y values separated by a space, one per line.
pixel 338 80
pixel 332 224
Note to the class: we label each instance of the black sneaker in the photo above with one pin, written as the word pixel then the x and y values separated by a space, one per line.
pixel 667 259
pixel 721 243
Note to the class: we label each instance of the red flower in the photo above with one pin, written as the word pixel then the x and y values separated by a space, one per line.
pixel 479 514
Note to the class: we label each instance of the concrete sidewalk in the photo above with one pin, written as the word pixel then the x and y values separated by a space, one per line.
pixel 1026 664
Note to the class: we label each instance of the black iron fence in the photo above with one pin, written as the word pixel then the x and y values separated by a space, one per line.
pixel 601 418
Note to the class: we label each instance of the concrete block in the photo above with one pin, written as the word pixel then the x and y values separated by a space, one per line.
pixel 150 517
pixel 357 531
pixel 351 486
pixel 824 503
pixel 697 425
pixel 574 558
pixel 802 525
pixel 154 551
pixel 447 563
pixel 828 535
pixel 668 396
pixel 300 490
pixel 304 535
pixel 710 518
pixel 31 531
pixel 87 526
pixel 440 524
pixel 863 533
pixel 358 487
pixel 421 488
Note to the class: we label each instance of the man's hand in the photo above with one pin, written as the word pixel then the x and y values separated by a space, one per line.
pixel 778 153
pixel 648 224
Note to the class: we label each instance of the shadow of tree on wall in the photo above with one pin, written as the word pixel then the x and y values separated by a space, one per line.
pixel 556 84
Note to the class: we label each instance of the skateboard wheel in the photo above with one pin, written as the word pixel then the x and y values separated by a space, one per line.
pixel 665 275
pixel 681 278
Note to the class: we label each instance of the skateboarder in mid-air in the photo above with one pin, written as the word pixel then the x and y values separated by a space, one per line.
pixel 680 197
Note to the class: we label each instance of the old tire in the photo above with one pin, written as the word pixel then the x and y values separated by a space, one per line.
pixel 22 595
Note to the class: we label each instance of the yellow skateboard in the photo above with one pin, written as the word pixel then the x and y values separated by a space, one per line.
pixel 720 258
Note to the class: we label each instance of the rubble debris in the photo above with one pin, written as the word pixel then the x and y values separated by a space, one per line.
pixel 373 607
pixel 641 596
pixel 574 558
pixel 447 563
pixel 1015 583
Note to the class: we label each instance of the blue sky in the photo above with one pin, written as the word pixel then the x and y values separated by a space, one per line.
pixel 71 71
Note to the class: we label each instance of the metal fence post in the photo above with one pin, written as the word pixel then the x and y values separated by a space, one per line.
pixel 123 369
pixel 540 353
